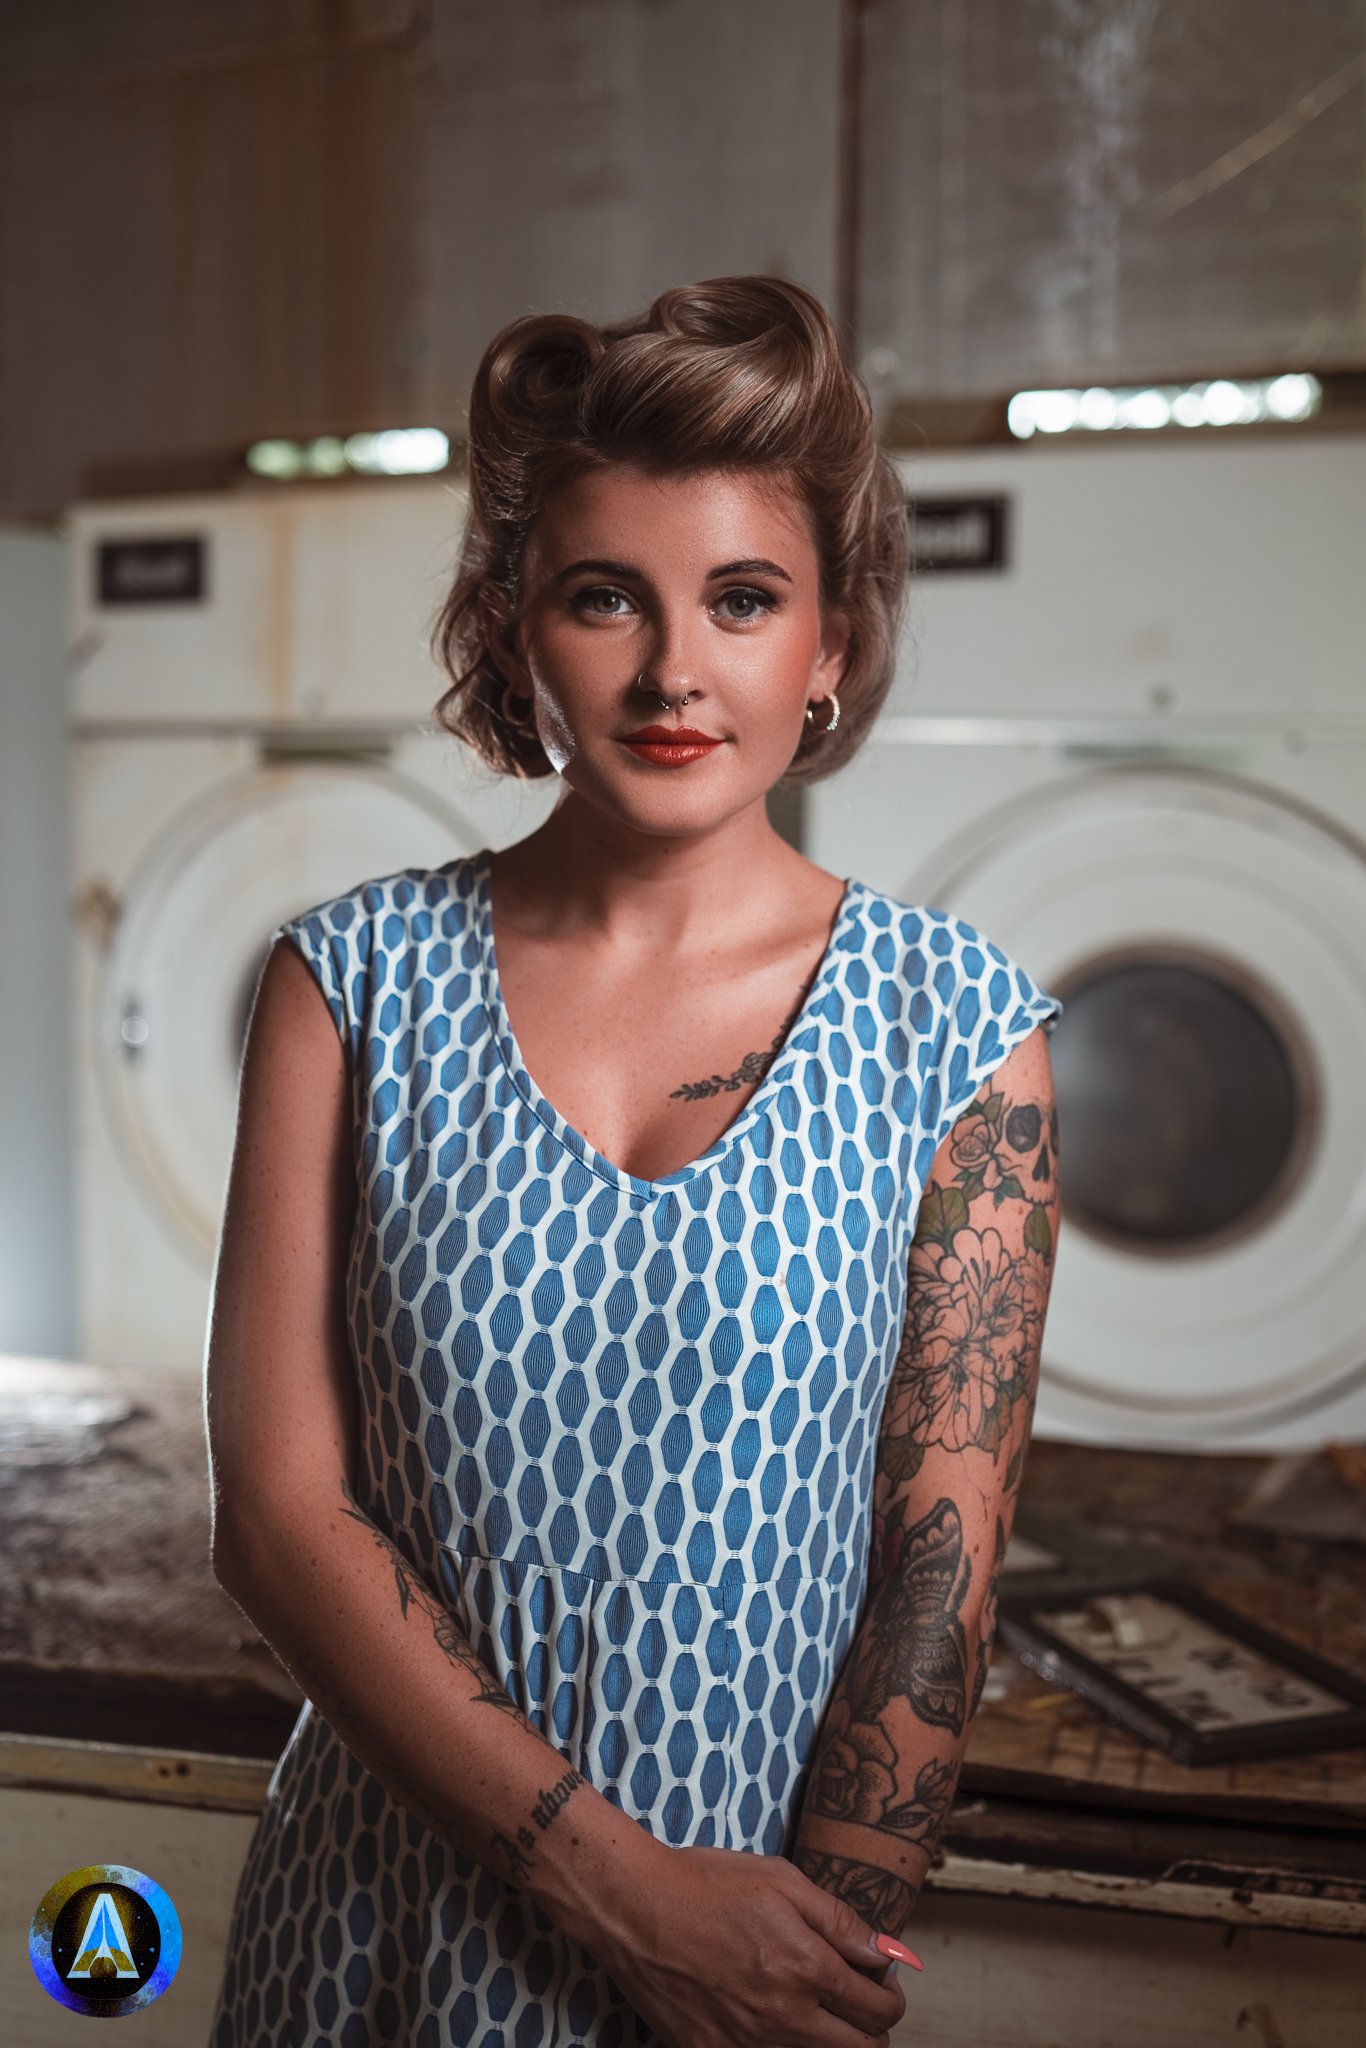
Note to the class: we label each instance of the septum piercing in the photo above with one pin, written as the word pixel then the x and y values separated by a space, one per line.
pixel 833 700
pixel 659 693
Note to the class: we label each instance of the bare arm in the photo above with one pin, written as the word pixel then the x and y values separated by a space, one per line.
pixel 950 1456
pixel 384 1661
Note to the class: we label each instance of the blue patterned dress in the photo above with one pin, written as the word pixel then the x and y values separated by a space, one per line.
pixel 624 1429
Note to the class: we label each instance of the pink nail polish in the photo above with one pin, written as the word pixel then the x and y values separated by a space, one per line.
pixel 898 1951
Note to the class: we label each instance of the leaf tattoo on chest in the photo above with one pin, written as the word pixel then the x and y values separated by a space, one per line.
pixel 752 1067
pixel 917 1649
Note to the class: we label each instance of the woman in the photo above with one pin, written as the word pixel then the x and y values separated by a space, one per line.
pixel 632 1275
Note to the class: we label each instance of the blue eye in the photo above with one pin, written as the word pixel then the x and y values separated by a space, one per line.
pixel 580 598
pixel 764 601
pixel 758 601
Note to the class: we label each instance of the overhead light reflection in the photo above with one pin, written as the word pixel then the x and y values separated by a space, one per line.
pixel 394 451
pixel 1146 409
pixel 1097 409
pixel 1292 397
pixel 1217 402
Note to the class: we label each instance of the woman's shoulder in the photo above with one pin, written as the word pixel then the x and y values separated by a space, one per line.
pixel 928 947
pixel 921 926
pixel 385 933
pixel 404 902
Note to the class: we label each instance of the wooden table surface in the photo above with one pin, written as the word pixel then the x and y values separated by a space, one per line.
pixel 112 1624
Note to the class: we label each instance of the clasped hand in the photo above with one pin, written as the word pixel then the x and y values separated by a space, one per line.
pixel 717 1948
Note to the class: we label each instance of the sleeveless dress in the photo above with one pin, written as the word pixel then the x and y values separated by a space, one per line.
pixel 625 1430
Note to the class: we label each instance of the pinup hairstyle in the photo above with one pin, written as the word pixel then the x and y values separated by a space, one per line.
pixel 740 373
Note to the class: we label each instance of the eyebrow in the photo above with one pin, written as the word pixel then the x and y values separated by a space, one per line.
pixel 754 565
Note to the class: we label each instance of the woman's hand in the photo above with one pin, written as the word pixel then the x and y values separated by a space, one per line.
pixel 718 1948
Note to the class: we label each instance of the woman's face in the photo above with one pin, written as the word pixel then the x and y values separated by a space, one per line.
pixel 709 586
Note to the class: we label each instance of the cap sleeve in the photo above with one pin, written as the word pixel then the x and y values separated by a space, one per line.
pixel 326 937
pixel 993 1003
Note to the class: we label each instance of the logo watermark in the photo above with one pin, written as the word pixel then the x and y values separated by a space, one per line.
pixel 105 1940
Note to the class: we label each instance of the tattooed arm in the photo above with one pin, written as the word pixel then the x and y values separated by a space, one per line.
pixel 951 1449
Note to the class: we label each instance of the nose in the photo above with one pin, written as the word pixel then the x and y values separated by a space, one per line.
pixel 671 664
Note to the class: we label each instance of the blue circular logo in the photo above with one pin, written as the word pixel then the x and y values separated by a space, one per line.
pixel 105 1940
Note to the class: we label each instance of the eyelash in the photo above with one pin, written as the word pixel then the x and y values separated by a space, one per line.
pixel 764 598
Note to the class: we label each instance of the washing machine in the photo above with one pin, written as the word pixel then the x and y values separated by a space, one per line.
pixel 1128 740
pixel 251 699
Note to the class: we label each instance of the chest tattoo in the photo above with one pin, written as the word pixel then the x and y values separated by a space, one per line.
pixel 752 1067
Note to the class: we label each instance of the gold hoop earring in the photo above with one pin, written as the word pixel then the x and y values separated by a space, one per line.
pixel 832 720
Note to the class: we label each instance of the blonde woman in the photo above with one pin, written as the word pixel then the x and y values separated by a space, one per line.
pixel 636 1253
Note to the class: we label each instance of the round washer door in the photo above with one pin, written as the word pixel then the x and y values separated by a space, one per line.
pixel 181 974
pixel 1204 936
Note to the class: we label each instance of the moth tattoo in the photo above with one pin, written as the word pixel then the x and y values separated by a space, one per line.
pixel 917 1647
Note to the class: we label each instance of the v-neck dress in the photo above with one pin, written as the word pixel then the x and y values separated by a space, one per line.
pixel 624 1429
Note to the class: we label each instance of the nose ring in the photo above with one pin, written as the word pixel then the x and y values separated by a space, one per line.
pixel 640 679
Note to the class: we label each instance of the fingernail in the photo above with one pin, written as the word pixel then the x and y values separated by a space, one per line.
pixel 898 1951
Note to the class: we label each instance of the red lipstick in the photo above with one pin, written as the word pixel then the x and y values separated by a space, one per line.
pixel 670 746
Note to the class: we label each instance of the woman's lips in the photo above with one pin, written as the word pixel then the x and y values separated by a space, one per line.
pixel 670 746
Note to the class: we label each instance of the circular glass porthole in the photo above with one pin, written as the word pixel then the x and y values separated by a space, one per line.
pixel 1185 1105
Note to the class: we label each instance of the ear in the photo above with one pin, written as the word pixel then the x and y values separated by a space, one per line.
pixel 502 637
pixel 827 671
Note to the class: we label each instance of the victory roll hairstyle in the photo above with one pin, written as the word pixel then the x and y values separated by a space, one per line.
pixel 742 373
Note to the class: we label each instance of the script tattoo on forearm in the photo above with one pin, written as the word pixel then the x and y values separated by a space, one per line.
pixel 549 1802
pixel 516 1852
pixel 325 1685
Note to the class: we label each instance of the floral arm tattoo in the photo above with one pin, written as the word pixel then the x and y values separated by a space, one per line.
pixel 951 1448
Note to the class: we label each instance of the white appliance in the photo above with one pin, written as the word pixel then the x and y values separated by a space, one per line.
pixel 251 701
pixel 1135 755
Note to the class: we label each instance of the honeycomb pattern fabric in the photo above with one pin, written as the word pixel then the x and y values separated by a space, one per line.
pixel 624 1428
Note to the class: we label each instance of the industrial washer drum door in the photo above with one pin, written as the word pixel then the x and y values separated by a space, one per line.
pixel 186 955
pixel 1206 938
